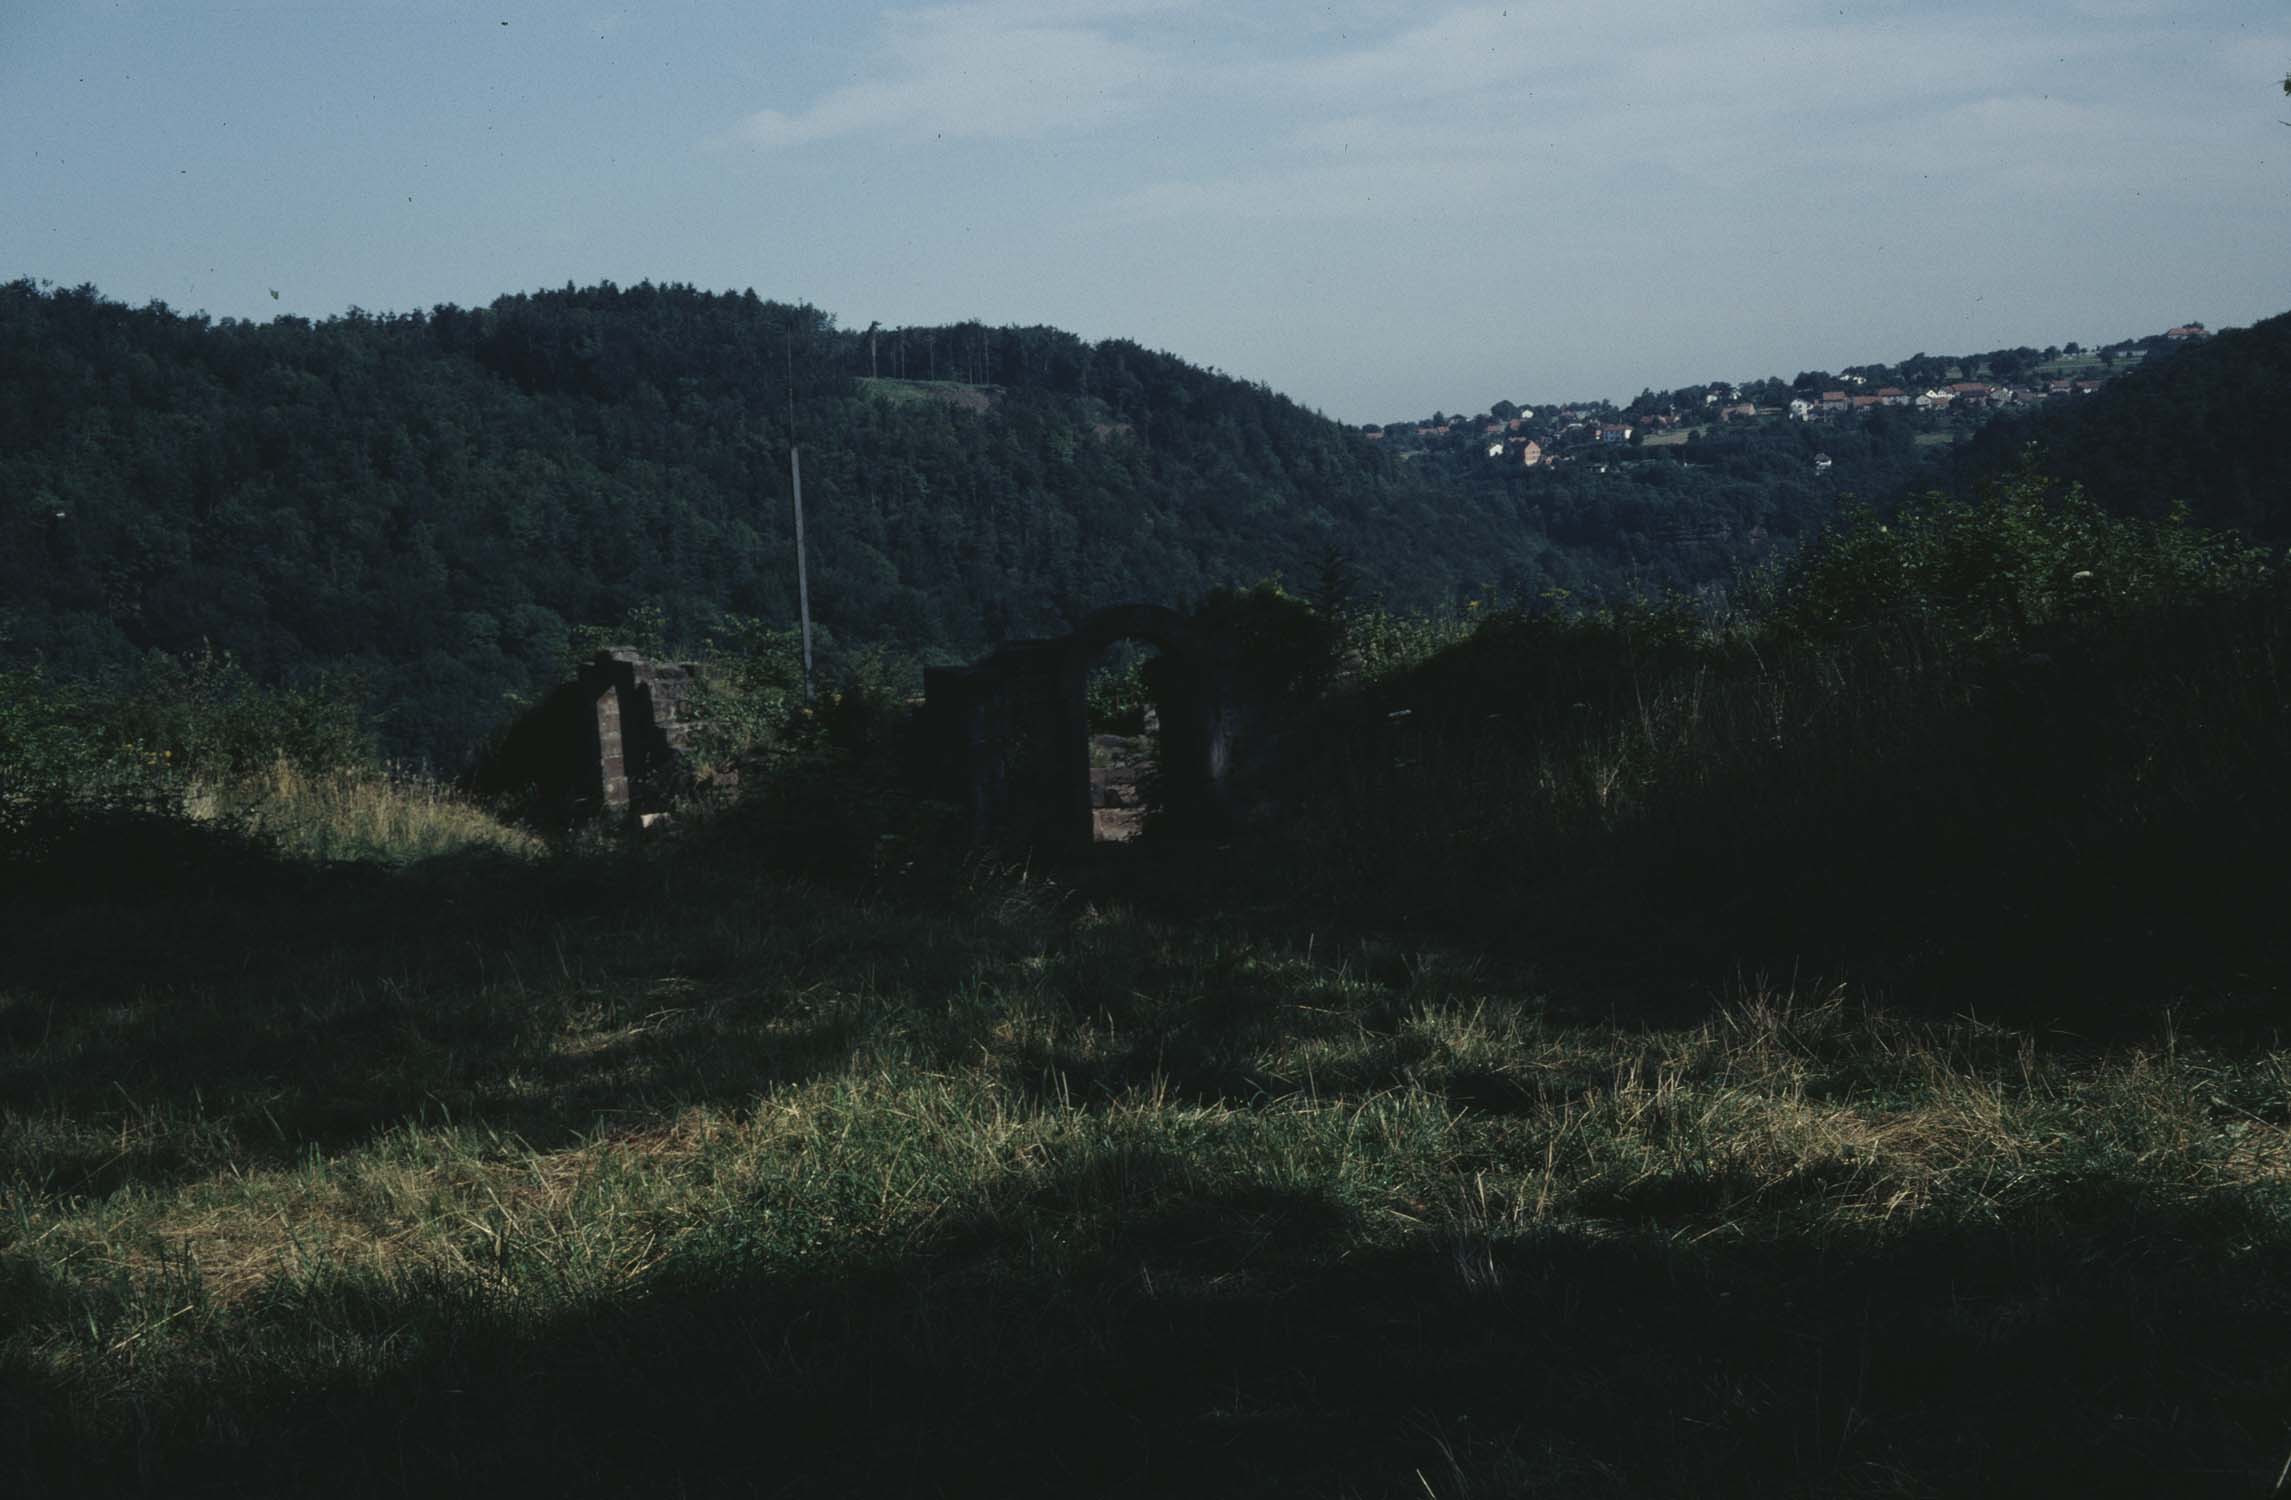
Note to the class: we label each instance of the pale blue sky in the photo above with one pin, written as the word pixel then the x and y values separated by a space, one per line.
pixel 1379 209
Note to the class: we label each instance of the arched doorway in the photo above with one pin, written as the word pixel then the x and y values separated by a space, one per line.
pixel 1167 755
pixel 1011 733
pixel 1124 711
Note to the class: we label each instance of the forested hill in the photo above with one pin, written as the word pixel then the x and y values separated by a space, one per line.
pixel 432 501
pixel 2204 427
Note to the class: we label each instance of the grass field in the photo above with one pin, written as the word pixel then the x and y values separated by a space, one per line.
pixel 662 1173
pixel 952 392
pixel 2076 367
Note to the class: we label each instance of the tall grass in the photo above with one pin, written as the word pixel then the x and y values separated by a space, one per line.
pixel 617 1187
pixel 91 777
pixel 355 813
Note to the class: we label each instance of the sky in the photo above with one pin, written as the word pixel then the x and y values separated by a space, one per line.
pixel 1378 209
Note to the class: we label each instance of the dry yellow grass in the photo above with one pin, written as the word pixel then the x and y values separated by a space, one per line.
pixel 358 814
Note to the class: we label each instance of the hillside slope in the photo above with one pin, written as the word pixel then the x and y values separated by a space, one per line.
pixel 431 503
pixel 2203 427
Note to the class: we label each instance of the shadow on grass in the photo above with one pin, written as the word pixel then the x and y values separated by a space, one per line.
pixel 244 1020
pixel 216 1006
pixel 1243 1343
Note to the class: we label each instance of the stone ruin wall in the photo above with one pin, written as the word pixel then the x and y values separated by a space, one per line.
pixel 640 729
pixel 1008 736
pixel 992 730
pixel 612 742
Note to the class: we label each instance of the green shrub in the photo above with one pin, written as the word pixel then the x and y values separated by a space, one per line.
pixel 63 750
pixel 1119 695
pixel 2031 560
pixel 644 630
pixel 196 762
pixel 209 718
pixel 1965 735
pixel 866 714
pixel 1282 648
pixel 1376 644
pixel 748 703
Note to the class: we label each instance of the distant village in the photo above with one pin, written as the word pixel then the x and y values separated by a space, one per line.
pixel 1950 394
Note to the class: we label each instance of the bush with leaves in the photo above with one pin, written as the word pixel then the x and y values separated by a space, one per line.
pixel 644 630
pixel 1274 641
pixel 1378 643
pixel 215 721
pixel 2029 563
pixel 188 779
pixel 143 748
pixel 864 716
pixel 62 752
pixel 748 703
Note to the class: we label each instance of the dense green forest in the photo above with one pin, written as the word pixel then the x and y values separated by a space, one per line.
pixel 431 503
pixel 2202 428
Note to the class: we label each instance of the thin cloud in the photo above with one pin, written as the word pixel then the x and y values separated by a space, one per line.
pixel 990 71
pixel 1489 100
pixel 1319 191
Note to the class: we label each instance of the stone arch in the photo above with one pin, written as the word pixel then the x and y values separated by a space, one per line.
pixel 1010 734
pixel 1188 760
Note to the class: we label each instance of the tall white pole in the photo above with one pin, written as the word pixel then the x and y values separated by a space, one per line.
pixel 802 570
